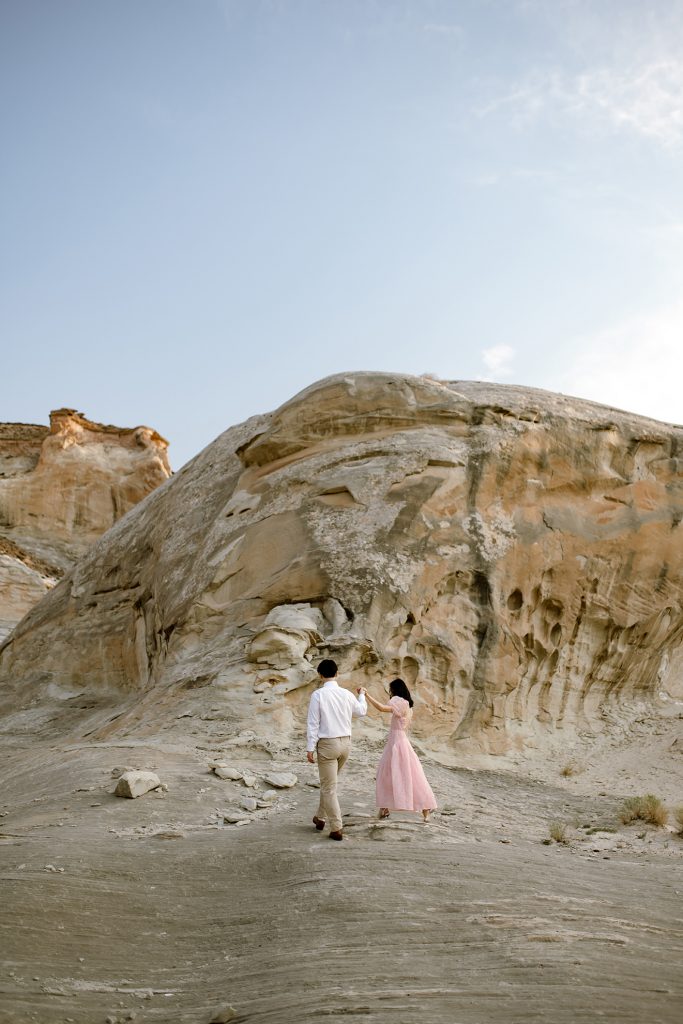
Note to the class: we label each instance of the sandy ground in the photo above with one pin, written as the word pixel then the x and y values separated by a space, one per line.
pixel 155 910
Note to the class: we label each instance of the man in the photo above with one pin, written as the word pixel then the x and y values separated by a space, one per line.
pixel 329 734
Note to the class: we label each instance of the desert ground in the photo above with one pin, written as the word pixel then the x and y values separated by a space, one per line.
pixel 157 909
pixel 513 554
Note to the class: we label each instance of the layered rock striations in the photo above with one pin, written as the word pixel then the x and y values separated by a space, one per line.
pixel 515 555
pixel 62 487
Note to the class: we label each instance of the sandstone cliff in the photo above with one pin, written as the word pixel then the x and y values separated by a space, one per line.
pixel 61 488
pixel 515 555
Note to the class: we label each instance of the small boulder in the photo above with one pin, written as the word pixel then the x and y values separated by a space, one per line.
pixel 224 1015
pixel 136 783
pixel 248 779
pixel 225 771
pixel 248 803
pixel 281 780
pixel 235 819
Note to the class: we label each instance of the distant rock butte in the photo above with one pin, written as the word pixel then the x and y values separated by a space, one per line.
pixel 515 555
pixel 62 487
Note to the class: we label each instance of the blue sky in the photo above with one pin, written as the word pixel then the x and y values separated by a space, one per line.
pixel 206 205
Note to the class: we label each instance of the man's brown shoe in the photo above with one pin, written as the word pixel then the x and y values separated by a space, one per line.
pixel 319 824
pixel 337 835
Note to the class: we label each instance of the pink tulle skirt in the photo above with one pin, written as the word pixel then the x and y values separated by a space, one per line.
pixel 401 781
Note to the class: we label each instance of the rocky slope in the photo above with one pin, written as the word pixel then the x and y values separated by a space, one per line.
pixel 515 555
pixel 60 489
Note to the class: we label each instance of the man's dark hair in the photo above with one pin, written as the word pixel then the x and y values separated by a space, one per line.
pixel 327 668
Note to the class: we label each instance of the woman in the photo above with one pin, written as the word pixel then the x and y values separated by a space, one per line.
pixel 401 782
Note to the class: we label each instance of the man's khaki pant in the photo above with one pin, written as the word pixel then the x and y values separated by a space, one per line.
pixel 332 756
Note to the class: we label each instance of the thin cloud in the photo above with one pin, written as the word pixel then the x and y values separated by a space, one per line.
pixel 636 365
pixel 646 98
pixel 498 359
pixel 485 180
pixel 451 31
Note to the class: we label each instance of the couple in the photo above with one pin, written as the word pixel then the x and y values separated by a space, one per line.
pixel 401 782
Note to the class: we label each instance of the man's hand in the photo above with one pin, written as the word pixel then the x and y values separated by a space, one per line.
pixel 310 757
pixel 360 690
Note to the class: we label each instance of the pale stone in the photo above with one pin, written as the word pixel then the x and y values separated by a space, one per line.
pixel 281 780
pixel 224 1015
pixel 224 771
pixel 136 783
pixel 248 803
pixel 268 798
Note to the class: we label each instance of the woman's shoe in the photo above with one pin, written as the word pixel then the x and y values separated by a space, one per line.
pixel 384 812
pixel 425 817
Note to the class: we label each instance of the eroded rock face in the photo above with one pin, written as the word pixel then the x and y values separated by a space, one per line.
pixel 516 556
pixel 61 488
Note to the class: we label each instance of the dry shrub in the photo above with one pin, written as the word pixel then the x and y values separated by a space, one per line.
pixel 568 770
pixel 644 808
pixel 558 831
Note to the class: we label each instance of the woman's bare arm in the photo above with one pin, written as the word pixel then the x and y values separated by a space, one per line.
pixel 376 703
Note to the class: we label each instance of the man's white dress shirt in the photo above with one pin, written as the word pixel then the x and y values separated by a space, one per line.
pixel 330 712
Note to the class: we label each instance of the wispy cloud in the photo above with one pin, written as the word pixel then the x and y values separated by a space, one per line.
pixel 484 180
pixel 498 359
pixel 636 365
pixel 645 98
pixel 451 31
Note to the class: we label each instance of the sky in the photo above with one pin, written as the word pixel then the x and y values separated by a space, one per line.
pixel 207 205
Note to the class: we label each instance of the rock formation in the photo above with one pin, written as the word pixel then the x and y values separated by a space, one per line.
pixel 515 555
pixel 61 488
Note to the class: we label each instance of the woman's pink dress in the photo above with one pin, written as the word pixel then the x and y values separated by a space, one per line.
pixel 401 782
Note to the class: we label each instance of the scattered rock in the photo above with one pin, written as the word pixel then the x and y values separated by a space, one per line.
pixel 248 779
pixel 135 783
pixel 235 819
pixel 281 780
pixel 225 771
pixel 224 1015
pixel 248 803
pixel 121 770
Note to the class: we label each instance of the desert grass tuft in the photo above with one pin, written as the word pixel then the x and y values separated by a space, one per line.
pixel 568 770
pixel 558 832
pixel 644 808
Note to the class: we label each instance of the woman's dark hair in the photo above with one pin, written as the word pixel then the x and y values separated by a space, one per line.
pixel 397 688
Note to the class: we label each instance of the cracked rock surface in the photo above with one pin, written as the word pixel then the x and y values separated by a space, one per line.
pixel 513 554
